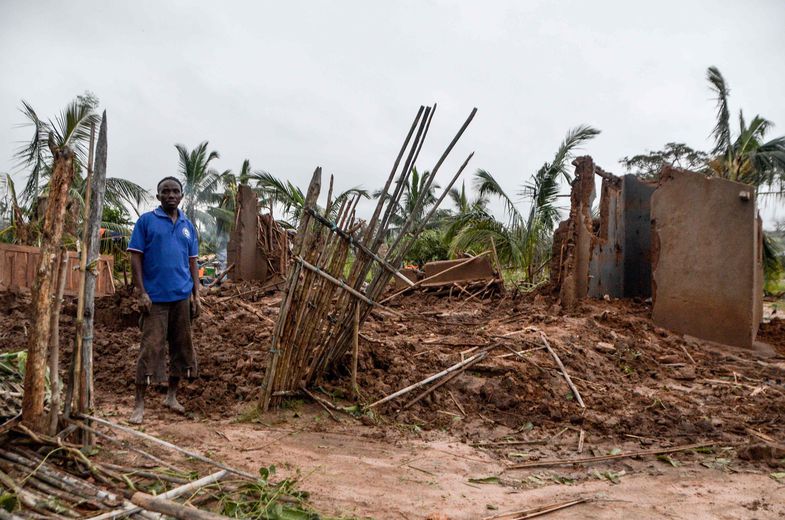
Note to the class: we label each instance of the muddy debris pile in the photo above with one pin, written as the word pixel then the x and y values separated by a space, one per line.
pixel 634 377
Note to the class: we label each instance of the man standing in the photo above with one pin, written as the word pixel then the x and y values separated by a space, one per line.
pixel 163 251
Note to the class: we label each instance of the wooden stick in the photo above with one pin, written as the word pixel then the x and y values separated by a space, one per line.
pixel 519 353
pixel 120 443
pixel 356 348
pixel 420 282
pixel 134 507
pixel 563 370
pixel 589 460
pixel 692 360
pixel 438 385
pixel 537 511
pixel 320 402
pixel 143 473
pixel 221 275
pixel 581 437
pixel 345 287
pixel 428 379
pixel 169 445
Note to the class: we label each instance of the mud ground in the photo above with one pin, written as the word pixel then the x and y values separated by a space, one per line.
pixel 643 388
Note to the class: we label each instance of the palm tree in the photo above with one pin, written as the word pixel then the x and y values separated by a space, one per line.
pixel 746 158
pixel 524 241
pixel 72 128
pixel 200 182
pixel 750 160
pixel 292 199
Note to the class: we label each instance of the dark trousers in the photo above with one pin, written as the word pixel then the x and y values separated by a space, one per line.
pixel 166 323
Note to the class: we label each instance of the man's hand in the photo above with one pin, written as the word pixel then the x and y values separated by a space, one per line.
pixel 145 303
pixel 196 306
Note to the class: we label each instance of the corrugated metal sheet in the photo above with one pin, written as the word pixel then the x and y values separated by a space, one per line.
pixel 19 263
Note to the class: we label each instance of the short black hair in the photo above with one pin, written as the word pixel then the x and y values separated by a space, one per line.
pixel 175 179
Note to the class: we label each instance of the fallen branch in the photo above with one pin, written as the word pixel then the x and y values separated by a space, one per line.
pixel 563 370
pixel 587 460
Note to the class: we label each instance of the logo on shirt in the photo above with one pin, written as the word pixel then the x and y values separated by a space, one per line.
pixel 186 233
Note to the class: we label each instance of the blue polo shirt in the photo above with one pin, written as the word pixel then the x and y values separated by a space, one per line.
pixel 166 246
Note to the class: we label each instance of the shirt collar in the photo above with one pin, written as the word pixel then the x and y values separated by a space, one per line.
pixel 159 212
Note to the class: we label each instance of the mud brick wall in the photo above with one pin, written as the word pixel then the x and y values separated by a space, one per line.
pixel 606 268
pixel 637 195
pixel 621 255
pixel 250 262
pixel 576 243
pixel 707 258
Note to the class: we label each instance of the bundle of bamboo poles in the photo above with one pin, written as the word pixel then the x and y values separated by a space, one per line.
pixel 319 314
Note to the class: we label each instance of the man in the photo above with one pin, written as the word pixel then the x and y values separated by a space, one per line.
pixel 163 251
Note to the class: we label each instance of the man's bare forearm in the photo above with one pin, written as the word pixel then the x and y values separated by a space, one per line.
pixel 194 275
pixel 137 272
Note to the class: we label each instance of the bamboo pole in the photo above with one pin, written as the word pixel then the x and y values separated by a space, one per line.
pixel 359 246
pixel 345 287
pixel 41 301
pixel 134 507
pixel 356 348
pixel 434 377
pixel 563 370
pixel 77 380
pixel 275 351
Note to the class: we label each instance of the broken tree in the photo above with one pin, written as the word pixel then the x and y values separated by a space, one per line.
pixel 317 319
pixel 52 234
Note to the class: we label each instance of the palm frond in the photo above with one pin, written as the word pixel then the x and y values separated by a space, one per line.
pixel 721 131
pixel 487 186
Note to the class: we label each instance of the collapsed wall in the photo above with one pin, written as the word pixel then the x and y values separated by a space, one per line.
pixel 693 243
pixel 620 264
pixel 708 263
pixel 575 237
pixel 258 247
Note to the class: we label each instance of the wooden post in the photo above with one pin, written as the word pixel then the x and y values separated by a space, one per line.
pixel 93 250
pixel 54 343
pixel 355 348
pixel 38 341
pixel 75 379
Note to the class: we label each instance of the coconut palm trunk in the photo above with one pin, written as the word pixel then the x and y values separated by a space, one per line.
pixel 37 346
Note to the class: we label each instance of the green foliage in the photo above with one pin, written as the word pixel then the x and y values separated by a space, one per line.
pixel 262 500
pixel 679 155
pixel 746 158
pixel 430 245
pixel 523 241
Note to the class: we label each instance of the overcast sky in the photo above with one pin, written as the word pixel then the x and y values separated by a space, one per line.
pixel 292 85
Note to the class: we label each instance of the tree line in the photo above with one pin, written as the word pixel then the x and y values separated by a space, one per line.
pixel 521 236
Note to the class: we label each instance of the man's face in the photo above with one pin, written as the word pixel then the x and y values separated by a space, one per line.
pixel 169 195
